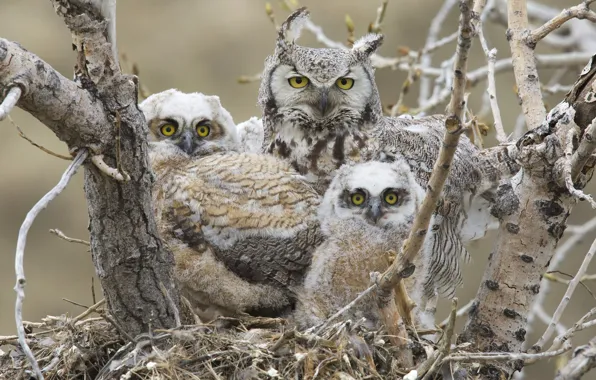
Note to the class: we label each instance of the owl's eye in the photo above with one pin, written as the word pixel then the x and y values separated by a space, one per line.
pixel 203 130
pixel 298 82
pixel 357 199
pixel 168 129
pixel 391 197
pixel 345 83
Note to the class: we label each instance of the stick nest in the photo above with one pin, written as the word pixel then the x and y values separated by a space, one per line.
pixel 229 348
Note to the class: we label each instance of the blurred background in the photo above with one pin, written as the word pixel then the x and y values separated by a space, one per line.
pixel 205 46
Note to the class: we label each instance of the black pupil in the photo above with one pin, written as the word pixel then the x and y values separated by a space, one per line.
pixel 168 129
pixel 298 80
pixel 344 81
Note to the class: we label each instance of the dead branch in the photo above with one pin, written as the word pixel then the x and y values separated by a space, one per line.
pixel 439 355
pixel 537 347
pixel 61 235
pixel 402 267
pixel 581 11
pixel 580 325
pixel 499 356
pixel 43 149
pixel 20 254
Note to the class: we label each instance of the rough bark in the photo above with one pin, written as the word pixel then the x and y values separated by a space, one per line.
pixel 583 361
pixel 99 111
pixel 533 212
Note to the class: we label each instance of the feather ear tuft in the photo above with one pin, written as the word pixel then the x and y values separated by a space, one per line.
pixel 368 44
pixel 291 28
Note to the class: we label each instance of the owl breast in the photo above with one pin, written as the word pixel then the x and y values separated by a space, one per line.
pixel 317 152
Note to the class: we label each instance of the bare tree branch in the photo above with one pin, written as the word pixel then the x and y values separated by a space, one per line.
pixel 10 100
pixel 580 11
pixel 584 360
pixel 20 254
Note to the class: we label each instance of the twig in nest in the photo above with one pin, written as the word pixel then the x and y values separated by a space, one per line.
pixel 61 235
pixel 20 253
pixel 117 326
pixel 75 303
pixel 11 99
pixel 91 309
pixel 104 168
pixel 460 312
pixel 43 149
pixel 403 267
pixel 580 11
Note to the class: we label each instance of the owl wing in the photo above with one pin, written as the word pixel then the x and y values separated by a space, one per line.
pixel 252 211
pixel 251 135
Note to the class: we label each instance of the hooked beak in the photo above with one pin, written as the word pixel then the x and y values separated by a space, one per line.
pixel 374 212
pixel 186 143
pixel 323 101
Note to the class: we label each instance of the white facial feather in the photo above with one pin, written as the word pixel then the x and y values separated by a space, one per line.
pixel 374 177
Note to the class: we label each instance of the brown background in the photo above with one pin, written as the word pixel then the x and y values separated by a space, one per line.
pixel 200 45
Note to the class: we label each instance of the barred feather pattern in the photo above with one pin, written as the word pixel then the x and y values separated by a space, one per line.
pixel 242 228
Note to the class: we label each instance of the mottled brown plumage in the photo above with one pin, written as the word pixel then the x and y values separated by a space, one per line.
pixel 242 228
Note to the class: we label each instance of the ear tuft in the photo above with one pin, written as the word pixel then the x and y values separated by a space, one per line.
pixel 291 28
pixel 368 44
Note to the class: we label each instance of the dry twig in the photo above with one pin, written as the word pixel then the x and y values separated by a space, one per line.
pixel 20 253
pixel 61 235
pixel 40 147
pixel 580 11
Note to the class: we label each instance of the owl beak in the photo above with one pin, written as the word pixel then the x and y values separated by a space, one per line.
pixel 374 212
pixel 186 143
pixel 324 100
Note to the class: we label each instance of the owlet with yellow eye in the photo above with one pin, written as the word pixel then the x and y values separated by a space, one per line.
pixel 191 124
pixel 366 212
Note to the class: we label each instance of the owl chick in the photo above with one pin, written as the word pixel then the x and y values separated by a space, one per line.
pixel 321 109
pixel 366 212
pixel 195 123
pixel 242 227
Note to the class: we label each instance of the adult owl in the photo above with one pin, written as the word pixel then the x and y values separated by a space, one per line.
pixel 241 226
pixel 367 211
pixel 321 109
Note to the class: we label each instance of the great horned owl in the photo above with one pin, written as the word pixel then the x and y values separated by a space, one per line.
pixel 366 212
pixel 242 227
pixel 321 109
pixel 251 135
pixel 195 123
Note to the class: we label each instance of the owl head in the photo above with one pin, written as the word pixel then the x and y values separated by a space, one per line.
pixel 322 83
pixel 191 124
pixel 379 194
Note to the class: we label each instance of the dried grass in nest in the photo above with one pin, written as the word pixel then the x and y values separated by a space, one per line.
pixel 247 348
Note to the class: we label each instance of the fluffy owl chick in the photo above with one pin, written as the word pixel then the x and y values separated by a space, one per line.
pixel 195 123
pixel 366 212
pixel 251 135
pixel 242 228
pixel 321 109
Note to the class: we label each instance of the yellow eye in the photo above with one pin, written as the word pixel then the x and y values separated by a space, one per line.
pixel 298 82
pixel 345 83
pixel 203 130
pixel 391 198
pixel 168 129
pixel 357 199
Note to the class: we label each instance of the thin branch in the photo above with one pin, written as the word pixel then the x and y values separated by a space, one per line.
pixel 43 149
pixel 426 57
pixel 91 309
pixel 578 326
pixel 61 235
pixel 20 253
pixel 499 356
pixel 580 11
pixel 443 352
pixel 402 268
pixel 460 312
pixel 171 304
pixel 524 66
pixel 584 151
pixel 566 298
pixel 375 27
pixel 491 56
pixel 9 101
